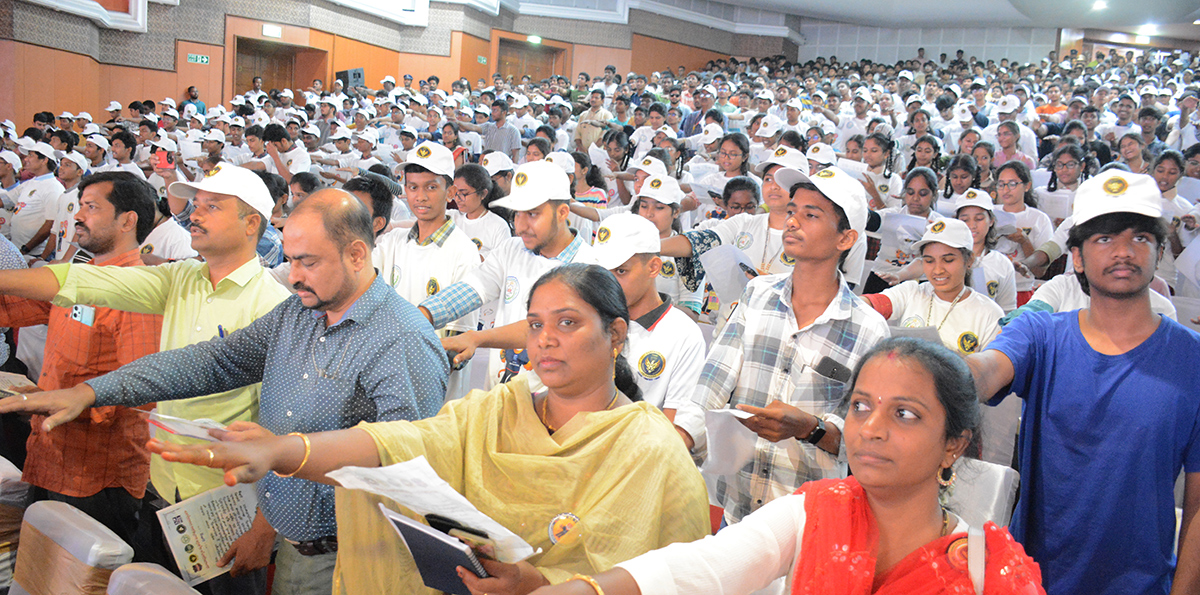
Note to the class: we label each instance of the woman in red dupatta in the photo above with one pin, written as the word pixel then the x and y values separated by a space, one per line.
pixel 912 411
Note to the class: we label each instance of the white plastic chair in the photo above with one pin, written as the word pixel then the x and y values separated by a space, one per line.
pixel 139 579
pixel 78 540
pixel 984 492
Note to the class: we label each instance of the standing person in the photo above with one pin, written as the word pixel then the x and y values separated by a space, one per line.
pixel 345 340
pixel 1089 380
pixel 98 464
pixel 765 359
pixel 498 133
pixel 592 122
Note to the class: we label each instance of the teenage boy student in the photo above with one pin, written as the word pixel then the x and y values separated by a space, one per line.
pixel 1111 410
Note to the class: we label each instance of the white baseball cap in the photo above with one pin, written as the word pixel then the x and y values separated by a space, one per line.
pixel 67 115
pixel 311 130
pixel 535 184
pixel 99 141
pixel 216 135
pixel 1008 104
pixel 113 106
pixel 238 121
pixel 623 236
pixel 12 159
pixel 418 98
pixel 822 153
pixel 168 101
pixel 563 160
pixel 838 186
pixel 165 143
pixel 962 113
pixel 170 111
pixel 975 197
pixel 711 133
pixel 785 156
pixel 664 189
pixel 496 162
pixel 388 79
pixel 666 131
pixel 342 133
pixel 233 181
pixel 44 149
pixel 431 156
pixel 650 165
pixel 368 135
pixel 201 117
pixel 769 126
pixel 1116 191
pixel 905 74
pixel 90 129
pixel 951 232
pixel 74 157
pixel 84 116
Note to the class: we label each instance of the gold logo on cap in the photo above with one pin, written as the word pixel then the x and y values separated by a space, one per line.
pixel 825 173
pixel 645 162
pixel 1116 186
pixel 423 152
pixel 814 149
pixel 484 162
pixel 656 183
pixel 780 152
pixel 938 227
pixel 212 172
pixel 521 179
pixel 970 194
pixel 603 235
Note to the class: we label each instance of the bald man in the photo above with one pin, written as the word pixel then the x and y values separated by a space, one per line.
pixel 346 348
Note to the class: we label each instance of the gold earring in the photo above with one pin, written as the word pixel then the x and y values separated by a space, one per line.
pixel 946 483
pixel 616 352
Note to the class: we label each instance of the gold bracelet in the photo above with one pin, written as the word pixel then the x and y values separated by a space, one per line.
pixel 589 580
pixel 307 451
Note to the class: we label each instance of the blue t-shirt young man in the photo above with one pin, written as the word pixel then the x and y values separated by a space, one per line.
pixel 1112 411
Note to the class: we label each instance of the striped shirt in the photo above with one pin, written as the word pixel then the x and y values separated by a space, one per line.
pixel 762 356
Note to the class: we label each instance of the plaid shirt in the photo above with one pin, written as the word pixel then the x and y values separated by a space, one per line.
pixel 437 237
pixel 761 356
pixel 106 446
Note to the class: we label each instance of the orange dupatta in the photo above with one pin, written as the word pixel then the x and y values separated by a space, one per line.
pixel 840 539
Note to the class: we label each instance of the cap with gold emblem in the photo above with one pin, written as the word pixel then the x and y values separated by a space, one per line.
pixel 1116 191
pixel 534 184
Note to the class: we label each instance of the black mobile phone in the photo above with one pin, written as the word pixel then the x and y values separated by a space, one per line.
pixel 747 269
pixel 445 524
pixel 833 370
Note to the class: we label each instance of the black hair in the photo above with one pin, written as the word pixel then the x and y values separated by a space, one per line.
pixel 453 124
pixel 276 185
pixel 502 104
pixel 1076 152
pixel 966 163
pixel 126 139
pixel 1191 151
pixel 256 131
pixel 128 193
pixel 951 378
pixel 658 108
pixel 542 145
pixel 545 129
pixel 739 184
pixel 306 180
pixel 68 138
pixel 1170 155
pixel 596 286
pixel 930 178
pixel 793 139
pixel 592 174
pixel 931 140
pixel 1021 171
pixel 622 140
pixel 43 118
pixel 476 176
pixel 1111 224
pixel 33 133
pixel 381 197
pixel 889 148
pixel 274 133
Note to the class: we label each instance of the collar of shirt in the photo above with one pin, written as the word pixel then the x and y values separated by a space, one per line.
pixel 131 258
pixel 42 177
pixel 840 308
pixel 241 275
pixel 437 237
pixel 365 305
pixel 567 256
pixel 651 318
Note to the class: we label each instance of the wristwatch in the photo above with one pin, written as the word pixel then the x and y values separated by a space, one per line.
pixel 817 434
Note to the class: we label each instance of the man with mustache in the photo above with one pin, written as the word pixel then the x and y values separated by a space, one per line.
pixel 98 464
pixel 198 301
pixel 345 349
pixel 1110 409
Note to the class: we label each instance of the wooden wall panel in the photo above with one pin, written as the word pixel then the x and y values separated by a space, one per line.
pixel 592 60
pixel 470 49
pixel 652 54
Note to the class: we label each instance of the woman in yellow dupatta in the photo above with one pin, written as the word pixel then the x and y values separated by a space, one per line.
pixel 912 410
pixel 584 470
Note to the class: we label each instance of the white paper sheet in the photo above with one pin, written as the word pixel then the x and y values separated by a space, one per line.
pixel 857 169
pixel 200 530
pixel 417 486
pixel 1006 222
pixel 1188 262
pixel 10 380
pixel 1056 205
pixel 723 271
pixel 183 427
pixel 599 159
pixel 897 233
pixel 705 192
pixel 1189 189
pixel 1187 309
pixel 730 444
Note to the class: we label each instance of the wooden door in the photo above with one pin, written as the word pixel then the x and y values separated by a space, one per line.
pixel 519 58
pixel 274 62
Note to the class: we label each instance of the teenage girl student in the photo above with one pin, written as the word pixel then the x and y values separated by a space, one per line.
pixel 961 175
pixel 473 193
pixel 1014 185
pixel 1057 197
pixel 537 149
pixel 1166 171
pixel 966 321
pixel 733 160
pixel 920 197
pixel 992 273
pixel 1008 137
pixel 854 148
pixel 1131 150
pixel 926 153
pixel 984 153
pixel 879 155
pixel 591 189
pixel 450 140
pixel 967 140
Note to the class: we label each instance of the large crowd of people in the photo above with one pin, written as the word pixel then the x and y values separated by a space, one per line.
pixel 548 288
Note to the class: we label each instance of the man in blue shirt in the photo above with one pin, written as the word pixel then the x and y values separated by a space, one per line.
pixel 1112 413
pixel 345 349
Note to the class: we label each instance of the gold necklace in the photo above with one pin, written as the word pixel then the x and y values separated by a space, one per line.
pixel 945 522
pixel 546 422
pixel 929 315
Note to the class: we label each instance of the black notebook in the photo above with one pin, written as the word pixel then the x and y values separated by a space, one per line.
pixel 437 554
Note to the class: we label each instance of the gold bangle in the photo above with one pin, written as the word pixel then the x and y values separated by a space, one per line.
pixel 307 451
pixel 589 580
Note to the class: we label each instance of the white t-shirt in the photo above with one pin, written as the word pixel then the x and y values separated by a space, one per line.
pixel 486 231
pixel 33 202
pixel 666 358
pixel 993 275
pixel 296 160
pixel 1037 228
pixel 417 272
pixel 62 231
pixel 169 240
pixel 1057 205
pixel 966 328
pixel 889 188
pixel 1063 293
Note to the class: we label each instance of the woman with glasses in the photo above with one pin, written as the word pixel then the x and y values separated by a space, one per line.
pixel 733 160
pixel 1014 187
pixel 1008 137
pixel 920 196
pixel 1057 197
pixel 473 193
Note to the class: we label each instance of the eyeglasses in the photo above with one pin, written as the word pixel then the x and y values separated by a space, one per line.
pixel 729 155
pixel 458 192
pixel 1066 164
pixel 1009 184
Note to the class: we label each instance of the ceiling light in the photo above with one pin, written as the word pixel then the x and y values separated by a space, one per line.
pixel 1148 29
pixel 1142 39
pixel 1196 22
pixel 1100 5
pixel 533 39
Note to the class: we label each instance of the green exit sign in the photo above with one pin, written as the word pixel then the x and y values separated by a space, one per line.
pixel 481 59
pixel 197 59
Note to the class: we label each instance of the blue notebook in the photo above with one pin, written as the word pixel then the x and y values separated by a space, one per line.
pixel 437 554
